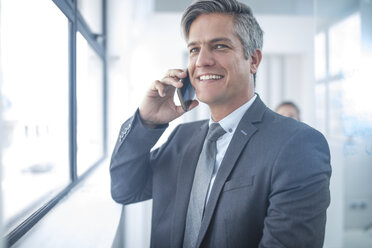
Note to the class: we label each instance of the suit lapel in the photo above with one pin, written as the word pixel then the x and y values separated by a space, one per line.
pixel 184 184
pixel 242 134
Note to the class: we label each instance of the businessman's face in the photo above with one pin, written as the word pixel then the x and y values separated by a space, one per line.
pixel 219 71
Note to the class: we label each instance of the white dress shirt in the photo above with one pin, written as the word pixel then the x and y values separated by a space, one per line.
pixel 229 124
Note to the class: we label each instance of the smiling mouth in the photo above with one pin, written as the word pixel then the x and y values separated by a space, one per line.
pixel 210 77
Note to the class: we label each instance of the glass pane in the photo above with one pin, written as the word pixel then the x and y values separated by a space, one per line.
pixel 336 105
pixel 320 107
pixel 345 45
pixel 349 222
pixel 320 56
pixel 89 106
pixel 91 10
pixel 34 60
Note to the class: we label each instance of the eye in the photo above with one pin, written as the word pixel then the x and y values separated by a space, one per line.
pixel 194 50
pixel 220 46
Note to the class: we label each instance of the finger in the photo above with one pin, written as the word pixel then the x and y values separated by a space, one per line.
pixel 176 73
pixel 174 77
pixel 177 83
pixel 160 87
pixel 163 89
pixel 193 104
pixel 181 111
pixel 169 90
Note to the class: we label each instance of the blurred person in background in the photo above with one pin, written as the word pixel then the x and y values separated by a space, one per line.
pixel 288 109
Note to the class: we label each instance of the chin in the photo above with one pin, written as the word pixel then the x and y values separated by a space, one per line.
pixel 206 99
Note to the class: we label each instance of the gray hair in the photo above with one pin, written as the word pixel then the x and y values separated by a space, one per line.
pixel 246 27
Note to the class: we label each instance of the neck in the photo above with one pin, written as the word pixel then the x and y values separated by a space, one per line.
pixel 219 112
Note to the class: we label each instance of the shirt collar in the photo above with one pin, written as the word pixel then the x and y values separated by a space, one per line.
pixel 230 122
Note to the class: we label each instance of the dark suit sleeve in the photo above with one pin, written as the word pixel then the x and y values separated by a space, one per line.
pixel 130 167
pixel 299 193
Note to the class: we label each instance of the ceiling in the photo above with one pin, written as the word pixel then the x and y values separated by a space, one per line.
pixel 277 7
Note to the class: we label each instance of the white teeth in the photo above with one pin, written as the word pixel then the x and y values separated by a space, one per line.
pixel 208 77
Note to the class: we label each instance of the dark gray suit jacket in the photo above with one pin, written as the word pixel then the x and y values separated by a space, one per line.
pixel 272 188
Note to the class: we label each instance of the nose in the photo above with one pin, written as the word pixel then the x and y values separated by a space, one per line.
pixel 205 58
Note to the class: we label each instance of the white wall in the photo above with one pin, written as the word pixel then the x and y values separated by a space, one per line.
pixel 129 66
pixel 287 70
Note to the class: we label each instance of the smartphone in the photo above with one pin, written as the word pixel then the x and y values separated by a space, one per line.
pixel 186 93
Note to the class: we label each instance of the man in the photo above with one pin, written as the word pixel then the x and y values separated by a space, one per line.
pixel 288 109
pixel 268 183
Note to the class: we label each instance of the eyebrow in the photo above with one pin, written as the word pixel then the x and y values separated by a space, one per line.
pixel 215 40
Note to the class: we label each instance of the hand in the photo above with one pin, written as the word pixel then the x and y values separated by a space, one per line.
pixel 158 106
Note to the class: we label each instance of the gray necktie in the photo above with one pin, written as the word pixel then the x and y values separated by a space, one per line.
pixel 200 185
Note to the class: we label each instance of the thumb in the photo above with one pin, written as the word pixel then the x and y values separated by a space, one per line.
pixel 193 104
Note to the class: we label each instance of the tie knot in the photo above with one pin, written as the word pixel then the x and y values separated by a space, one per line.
pixel 215 131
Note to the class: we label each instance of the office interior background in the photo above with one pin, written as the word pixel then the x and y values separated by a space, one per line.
pixel 71 71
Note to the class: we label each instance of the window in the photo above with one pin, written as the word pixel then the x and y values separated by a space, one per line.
pixel 53 97
pixel 34 69
pixel 320 56
pixel 343 108
pixel 339 62
pixel 91 10
pixel 344 45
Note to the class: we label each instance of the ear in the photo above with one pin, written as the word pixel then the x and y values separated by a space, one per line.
pixel 255 61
